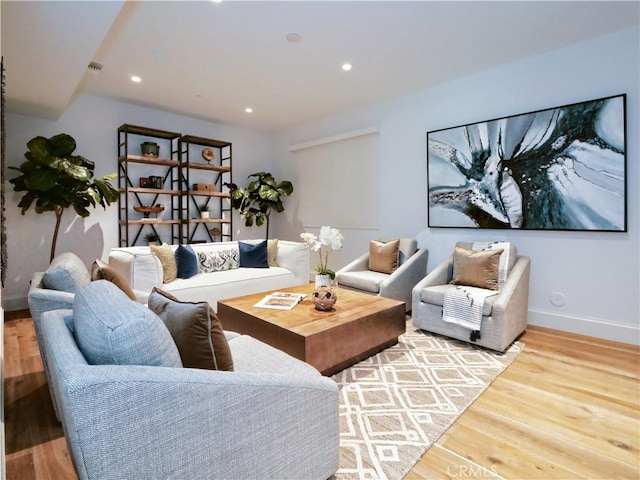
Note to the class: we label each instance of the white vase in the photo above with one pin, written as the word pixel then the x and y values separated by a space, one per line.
pixel 322 280
pixel 204 214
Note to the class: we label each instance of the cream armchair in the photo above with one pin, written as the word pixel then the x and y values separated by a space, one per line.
pixel 504 316
pixel 412 266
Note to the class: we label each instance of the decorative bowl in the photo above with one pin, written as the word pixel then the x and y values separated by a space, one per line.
pixel 147 210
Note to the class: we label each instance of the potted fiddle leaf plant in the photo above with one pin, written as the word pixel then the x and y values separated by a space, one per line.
pixel 260 198
pixel 54 179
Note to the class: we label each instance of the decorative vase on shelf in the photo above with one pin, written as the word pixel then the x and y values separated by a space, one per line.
pixel 149 149
pixel 324 297
pixel 322 279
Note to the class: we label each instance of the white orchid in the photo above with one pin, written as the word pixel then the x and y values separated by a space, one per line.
pixel 329 237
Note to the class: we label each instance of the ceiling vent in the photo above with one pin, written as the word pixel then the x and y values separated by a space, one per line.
pixel 95 67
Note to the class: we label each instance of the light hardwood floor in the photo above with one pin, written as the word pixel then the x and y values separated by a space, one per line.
pixel 567 408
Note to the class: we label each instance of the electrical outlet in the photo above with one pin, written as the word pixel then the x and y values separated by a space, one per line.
pixel 558 299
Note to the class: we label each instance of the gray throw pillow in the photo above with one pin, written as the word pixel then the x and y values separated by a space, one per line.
pixel 112 329
pixel 66 273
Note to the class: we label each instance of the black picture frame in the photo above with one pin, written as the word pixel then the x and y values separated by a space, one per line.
pixel 561 168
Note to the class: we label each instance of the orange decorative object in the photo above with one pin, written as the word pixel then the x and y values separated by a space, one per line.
pixel 147 210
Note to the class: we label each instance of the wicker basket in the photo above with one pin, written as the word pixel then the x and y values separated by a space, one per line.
pixel 324 297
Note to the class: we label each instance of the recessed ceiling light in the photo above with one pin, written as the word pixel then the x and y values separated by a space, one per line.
pixel 346 67
pixel 293 37
pixel 136 79
pixel 248 110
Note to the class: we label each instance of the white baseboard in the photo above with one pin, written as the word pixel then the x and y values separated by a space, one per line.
pixel 592 327
pixel 17 303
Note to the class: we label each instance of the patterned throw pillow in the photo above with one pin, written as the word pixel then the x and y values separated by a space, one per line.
pixel 218 260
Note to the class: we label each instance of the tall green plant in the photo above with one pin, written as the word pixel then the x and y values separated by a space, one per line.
pixel 55 180
pixel 262 196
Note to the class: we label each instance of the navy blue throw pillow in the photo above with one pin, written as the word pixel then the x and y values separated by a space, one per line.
pixel 187 261
pixel 253 255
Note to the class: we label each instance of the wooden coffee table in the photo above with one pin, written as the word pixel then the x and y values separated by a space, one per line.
pixel 358 326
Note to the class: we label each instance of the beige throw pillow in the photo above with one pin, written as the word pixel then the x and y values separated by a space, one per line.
pixel 476 269
pixel 383 257
pixel 272 252
pixel 167 258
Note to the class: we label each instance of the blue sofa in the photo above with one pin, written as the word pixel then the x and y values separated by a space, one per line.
pixel 273 417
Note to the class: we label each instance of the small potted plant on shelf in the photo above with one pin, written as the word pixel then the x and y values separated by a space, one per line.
pixel 204 210
pixel 152 238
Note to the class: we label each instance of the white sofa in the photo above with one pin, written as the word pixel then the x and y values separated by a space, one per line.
pixel 143 270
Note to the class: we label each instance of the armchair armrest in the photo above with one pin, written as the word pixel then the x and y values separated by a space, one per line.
pixel 441 275
pixel 359 264
pixel 514 295
pixel 401 282
pixel 141 269
pixel 41 299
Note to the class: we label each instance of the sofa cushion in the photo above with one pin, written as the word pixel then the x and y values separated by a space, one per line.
pixel 102 271
pixel 476 269
pixel 383 256
pixel 253 255
pixel 364 280
pixel 218 260
pixel 196 330
pixel 186 261
pixel 112 329
pixel 167 258
pixel 66 273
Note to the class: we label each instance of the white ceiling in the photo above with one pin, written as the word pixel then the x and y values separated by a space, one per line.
pixel 211 60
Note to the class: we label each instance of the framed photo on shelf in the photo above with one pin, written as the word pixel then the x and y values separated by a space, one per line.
pixel 561 168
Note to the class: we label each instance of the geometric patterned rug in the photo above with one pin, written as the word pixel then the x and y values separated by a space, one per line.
pixel 396 404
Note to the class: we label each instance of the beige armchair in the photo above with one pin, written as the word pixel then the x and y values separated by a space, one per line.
pixel 504 316
pixel 412 266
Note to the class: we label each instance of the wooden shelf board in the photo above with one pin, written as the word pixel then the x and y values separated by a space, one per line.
pixel 206 166
pixel 146 131
pixel 209 220
pixel 163 162
pixel 206 142
pixel 209 193
pixel 152 190
pixel 154 221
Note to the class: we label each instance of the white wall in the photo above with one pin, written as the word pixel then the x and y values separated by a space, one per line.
pixel 598 273
pixel 93 122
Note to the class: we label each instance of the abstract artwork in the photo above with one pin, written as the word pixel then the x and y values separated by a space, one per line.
pixel 562 168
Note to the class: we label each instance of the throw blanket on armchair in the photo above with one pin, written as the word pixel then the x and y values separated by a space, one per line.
pixel 463 305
